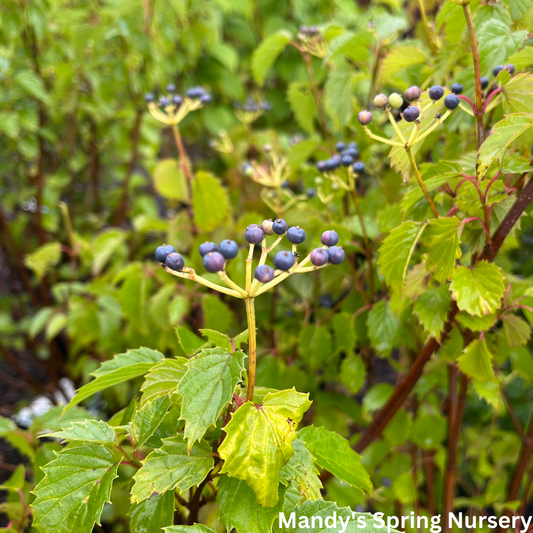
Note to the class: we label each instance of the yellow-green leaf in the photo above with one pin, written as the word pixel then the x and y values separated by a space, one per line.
pixel 210 201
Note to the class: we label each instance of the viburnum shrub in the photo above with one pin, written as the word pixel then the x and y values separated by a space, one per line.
pixel 337 320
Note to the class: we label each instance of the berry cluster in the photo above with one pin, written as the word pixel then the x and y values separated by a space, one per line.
pixel 309 31
pixel 251 109
pixel 214 258
pixel 346 156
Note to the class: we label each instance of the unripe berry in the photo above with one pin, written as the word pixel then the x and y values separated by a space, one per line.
pixel 175 262
pixel 381 101
pixel 329 238
pixel 284 260
pixel 213 262
pixel 279 226
pixel 497 70
pixel 411 114
pixel 395 100
pixel 319 257
pixel 364 118
pixel 510 68
pixel 264 273
pixel 456 88
pixel 162 252
pixel 412 94
pixel 336 255
pixel 229 249
pixel 207 247
pixel 436 92
pixel 296 235
pixel 254 234
pixel 358 167
pixel 484 82
pixel 339 146
pixel 451 101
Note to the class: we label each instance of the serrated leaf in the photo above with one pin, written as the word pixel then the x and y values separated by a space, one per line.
pixel 478 290
pixel 150 516
pixel 265 55
pixel 490 392
pixel 429 431
pixel 210 201
pixel 302 470
pixel 169 180
pixel 6 425
pixel 70 497
pixel 516 330
pixel 44 258
pixel 383 328
pixel 238 507
pixel 163 379
pixel 217 338
pixel 303 105
pixel 432 307
pixel 522 59
pixel 476 361
pixel 400 58
pixel 475 323
pixel 189 342
pixel 90 431
pixel 333 452
pixel 147 419
pixel 197 528
pixel 56 325
pixel 33 85
pixel 442 241
pixel 258 441
pixel 207 387
pixel 338 98
pixel 302 151
pixel 123 367
pixel 172 466
pixel 353 373
pixel 395 253
pixel 104 247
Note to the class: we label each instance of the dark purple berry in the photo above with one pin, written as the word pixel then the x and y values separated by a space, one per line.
pixel 346 160
pixel 412 93
pixel 195 92
pixel 451 101
pixel 296 235
pixel 161 252
pixel 510 68
pixel 336 255
pixel 264 273
pixel 279 226
pixel 497 70
pixel 352 152
pixel 229 249
pixel 329 165
pixel 340 146
pixel 284 260
pixel 484 82
pixel 335 161
pixel 171 88
pixel 213 262
pixel 319 257
pixel 411 114
pixel 207 247
pixel 329 238
pixel 149 97
pixel 364 118
pixel 456 88
pixel 358 167
pixel 254 234
pixel 175 262
pixel 436 92
pixel 320 166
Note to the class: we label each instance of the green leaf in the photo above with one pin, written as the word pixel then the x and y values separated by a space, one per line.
pixel 343 332
pixel 476 361
pixel 338 98
pixel 44 258
pixel 33 85
pixel 147 419
pixel 522 361
pixel 265 55
pixel 172 466
pixel 522 59
pixel 238 507
pixel 399 59
pixel 475 323
pixel 163 379
pixel 490 392
pixel 302 470
pixel 6 425
pixel 303 105
pixel 56 325
pixel 207 387
pixel 302 151
pixel 478 290
pixel 315 345
pixel 383 328
pixel 376 397
pixel 258 441
pixel 150 516
pixel 442 241
pixel 398 429
pixel 104 247
pixel 90 431
pixel 516 330
pixel 124 366
pixel 333 452
pixel 395 253
pixel 169 180
pixel 210 201
pixel 189 342
pixel 70 497
pixel 432 308
pixel 502 135
pixel 429 431
pixel 217 338
pixel 197 528
pixel 39 321
pixel 353 373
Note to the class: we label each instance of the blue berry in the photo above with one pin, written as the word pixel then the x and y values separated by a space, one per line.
pixel 164 101
pixel 296 235
pixel 456 88
pixel 213 262
pixel 411 114
pixel 207 247
pixel 412 93
pixel 284 260
pixel 329 238
pixel 352 146
pixel 339 146
pixel 329 165
pixel 436 92
pixel 346 160
pixel 171 88
pixel 364 118
pixel 321 166
pixel 264 273
pixel 336 161
pixel 174 261
pixel 177 100
pixel 484 82
pixel 358 167
pixel 319 257
pixel 352 151
pixel 254 234
pixel 510 68
pixel 286 184
pixel 451 101
pixel 161 252
pixel 311 193
pixel 279 226
pixel 336 255
pixel 195 92
pixel 206 99
pixel 229 249
pixel 497 70
pixel 149 97
pixel 386 482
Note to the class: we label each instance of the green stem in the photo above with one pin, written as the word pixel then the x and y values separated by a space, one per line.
pixel 420 182
pixel 426 26
pixel 252 346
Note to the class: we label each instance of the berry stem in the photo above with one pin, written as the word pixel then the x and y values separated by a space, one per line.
pixel 226 279
pixel 191 274
pixel 420 181
pixel 490 97
pixel 252 347
pixel 432 128
pixel 414 134
pixel 395 126
pixel 381 139
pixel 249 261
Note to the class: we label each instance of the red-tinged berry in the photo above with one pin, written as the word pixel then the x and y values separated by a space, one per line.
pixel 229 249
pixel 411 114
pixel 319 257
pixel 329 238
pixel 174 261
pixel 264 273
pixel 296 235
pixel 162 252
pixel 213 262
pixel 364 118
pixel 412 93
pixel 207 247
pixel 451 101
pixel 279 226
pixel 284 260
pixel 254 234
pixel 336 255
